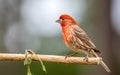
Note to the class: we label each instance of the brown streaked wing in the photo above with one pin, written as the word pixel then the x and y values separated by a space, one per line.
pixel 83 37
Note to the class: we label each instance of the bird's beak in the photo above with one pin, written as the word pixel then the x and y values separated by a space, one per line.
pixel 58 21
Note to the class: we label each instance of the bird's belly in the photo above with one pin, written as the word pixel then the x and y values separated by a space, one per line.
pixel 71 41
pixel 71 44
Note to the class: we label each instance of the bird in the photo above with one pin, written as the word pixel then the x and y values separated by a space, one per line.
pixel 76 39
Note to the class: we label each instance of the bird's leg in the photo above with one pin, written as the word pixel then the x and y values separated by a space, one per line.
pixel 86 58
pixel 87 55
pixel 71 55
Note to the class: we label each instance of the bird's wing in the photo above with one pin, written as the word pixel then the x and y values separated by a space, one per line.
pixel 78 32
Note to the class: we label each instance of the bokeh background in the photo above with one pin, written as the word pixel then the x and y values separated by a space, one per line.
pixel 30 24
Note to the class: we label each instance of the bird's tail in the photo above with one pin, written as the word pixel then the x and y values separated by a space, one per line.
pixel 102 63
pixel 105 66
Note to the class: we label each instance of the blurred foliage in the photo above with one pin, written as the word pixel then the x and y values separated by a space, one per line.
pixel 54 69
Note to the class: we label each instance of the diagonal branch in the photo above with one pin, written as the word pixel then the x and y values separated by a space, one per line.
pixel 49 58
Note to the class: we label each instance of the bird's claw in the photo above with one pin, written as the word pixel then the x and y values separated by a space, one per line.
pixel 67 56
pixel 70 55
pixel 86 58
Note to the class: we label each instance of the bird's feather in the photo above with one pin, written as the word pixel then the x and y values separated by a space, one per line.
pixel 84 38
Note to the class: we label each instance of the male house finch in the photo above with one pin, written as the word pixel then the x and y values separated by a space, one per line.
pixel 76 39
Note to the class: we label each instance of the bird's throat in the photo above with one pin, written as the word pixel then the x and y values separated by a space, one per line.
pixel 63 24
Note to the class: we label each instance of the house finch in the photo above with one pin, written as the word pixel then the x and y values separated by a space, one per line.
pixel 76 39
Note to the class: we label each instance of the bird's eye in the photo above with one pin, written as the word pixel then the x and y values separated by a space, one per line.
pixel 63 19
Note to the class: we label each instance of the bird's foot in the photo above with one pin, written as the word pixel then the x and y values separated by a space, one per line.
pixel 66 56
pixel 70 55
pixel 86 58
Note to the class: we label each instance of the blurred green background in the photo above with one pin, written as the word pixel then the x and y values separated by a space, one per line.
pixel 30 24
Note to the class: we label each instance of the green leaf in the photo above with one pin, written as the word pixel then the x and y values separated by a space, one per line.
pixel 27 61
pixel 43 66
pixel 28 70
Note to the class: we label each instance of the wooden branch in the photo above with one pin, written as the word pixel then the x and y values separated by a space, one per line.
pixel 49 58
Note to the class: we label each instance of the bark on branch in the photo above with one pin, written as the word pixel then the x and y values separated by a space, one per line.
pixel 49 58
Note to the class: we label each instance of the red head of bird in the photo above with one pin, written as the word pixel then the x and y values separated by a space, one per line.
pixel 65 20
